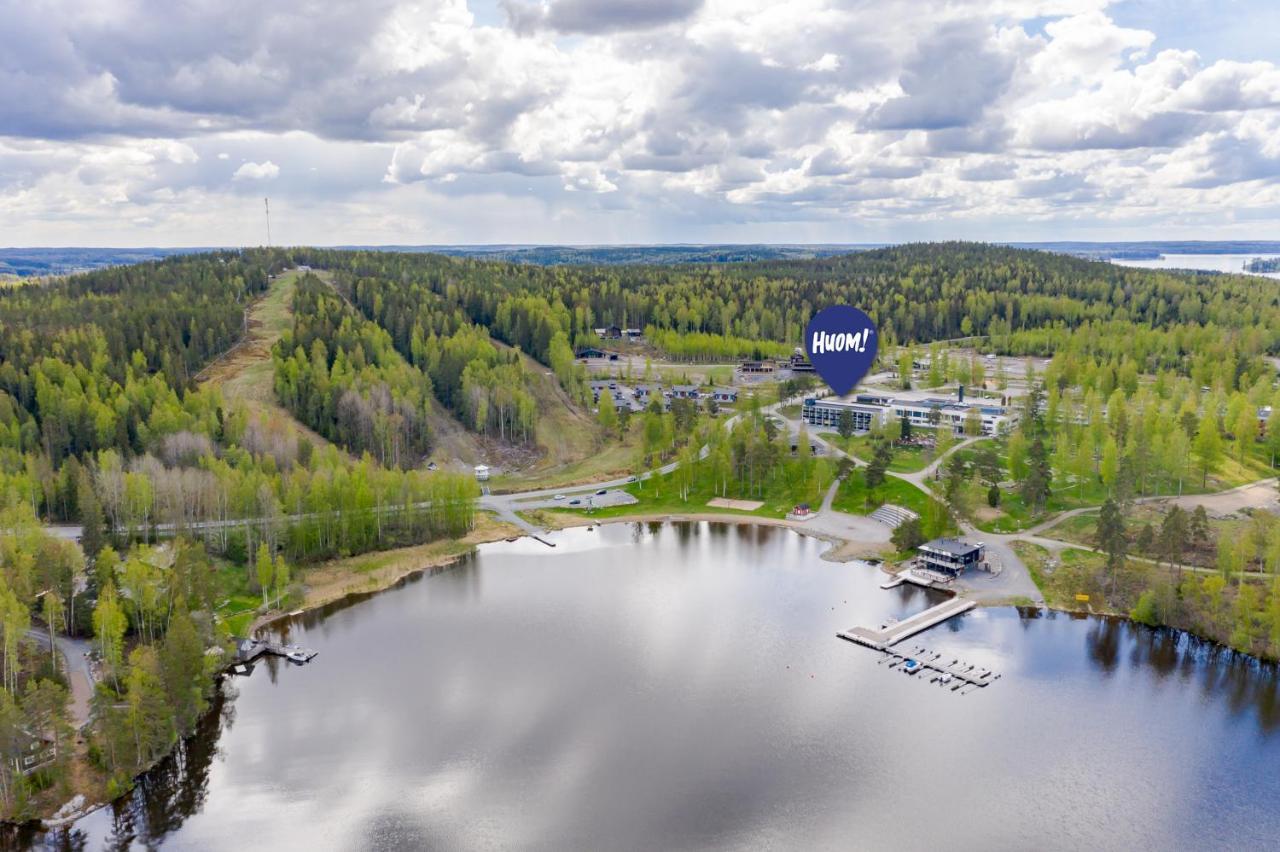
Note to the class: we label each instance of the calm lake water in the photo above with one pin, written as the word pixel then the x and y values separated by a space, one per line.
pixel 681 687
pixel 1205 262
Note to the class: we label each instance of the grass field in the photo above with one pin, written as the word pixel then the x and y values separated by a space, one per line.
pixel 661 495
pixel 1083 529
pixel 1069 492
pixel 905 459
pixel 853 496
pixel 1070 573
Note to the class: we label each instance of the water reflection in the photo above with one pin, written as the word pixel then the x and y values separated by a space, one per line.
pixel 1249 686
pixel 680 686
pixel 163 798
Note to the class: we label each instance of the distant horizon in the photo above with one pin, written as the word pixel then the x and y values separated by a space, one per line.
pixel 871 244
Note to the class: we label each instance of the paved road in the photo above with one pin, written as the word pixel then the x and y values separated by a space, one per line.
pixel 1013 580
pixel 505 506
pixel 76 664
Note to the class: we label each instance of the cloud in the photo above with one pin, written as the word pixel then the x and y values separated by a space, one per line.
pixel 596 16
pixel 950 81
pixel 592 121
pixel 257 171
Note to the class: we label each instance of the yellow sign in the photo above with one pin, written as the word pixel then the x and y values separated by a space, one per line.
pixel 1082 598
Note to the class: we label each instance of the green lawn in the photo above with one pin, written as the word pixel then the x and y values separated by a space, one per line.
pixel 660 495
pixel 905 459
pixel 853 496
pixel 1083 529
pixel 238 612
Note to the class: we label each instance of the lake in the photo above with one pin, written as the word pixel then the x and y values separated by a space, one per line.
pixel 680 686
pixel 1203 262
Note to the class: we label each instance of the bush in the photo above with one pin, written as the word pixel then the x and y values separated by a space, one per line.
pixel 1146 611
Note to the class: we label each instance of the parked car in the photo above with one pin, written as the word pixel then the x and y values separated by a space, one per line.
pixel 602 491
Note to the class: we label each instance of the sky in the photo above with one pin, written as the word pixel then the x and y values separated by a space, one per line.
pixel 140 123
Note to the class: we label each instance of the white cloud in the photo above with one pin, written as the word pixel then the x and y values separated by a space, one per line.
pixel 590 121
pixel 257 171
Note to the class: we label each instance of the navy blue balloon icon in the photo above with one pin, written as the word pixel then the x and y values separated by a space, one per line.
pixel 841 342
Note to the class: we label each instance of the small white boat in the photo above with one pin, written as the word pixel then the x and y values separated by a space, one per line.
pixel 946 678
pixel 912 666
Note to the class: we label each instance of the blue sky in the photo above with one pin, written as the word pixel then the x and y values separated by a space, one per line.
pixel 133 122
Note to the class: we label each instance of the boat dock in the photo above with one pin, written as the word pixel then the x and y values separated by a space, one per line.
pixel 889 635
pixel 251 649
pixel 926 580
pixel 944 671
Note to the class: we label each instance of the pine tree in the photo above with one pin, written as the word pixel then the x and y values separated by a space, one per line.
pixel 1112 538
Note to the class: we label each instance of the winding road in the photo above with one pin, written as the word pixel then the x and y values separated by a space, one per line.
pixel 1012 581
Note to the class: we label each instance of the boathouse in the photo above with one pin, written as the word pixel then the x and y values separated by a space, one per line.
pixel 949 556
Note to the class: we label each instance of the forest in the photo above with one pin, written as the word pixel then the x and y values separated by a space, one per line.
pixel 915 293
pixel 193 511
pixel 192 504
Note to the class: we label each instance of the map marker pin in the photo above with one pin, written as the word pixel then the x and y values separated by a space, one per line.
pixel 841 342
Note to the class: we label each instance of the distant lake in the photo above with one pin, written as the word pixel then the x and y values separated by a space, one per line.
pixel 680 686
pixel 1205 262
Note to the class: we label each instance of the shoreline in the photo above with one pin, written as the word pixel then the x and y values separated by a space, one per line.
pixel 842 550
pixel 494 529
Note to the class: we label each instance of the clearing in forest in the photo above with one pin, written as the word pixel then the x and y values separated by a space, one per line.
pixel 245 372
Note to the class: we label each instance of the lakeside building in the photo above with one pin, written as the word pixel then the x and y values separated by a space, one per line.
pixel 799 363
pixel 587 352
pixel 878 409
pixel 482 472
pixel 949 556
pixel 30 750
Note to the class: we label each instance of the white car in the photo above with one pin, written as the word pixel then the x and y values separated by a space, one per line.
pixel 559 497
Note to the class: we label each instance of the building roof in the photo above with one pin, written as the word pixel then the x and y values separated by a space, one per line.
pixel 950 546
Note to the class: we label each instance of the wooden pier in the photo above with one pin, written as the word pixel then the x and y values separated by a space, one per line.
pixel 889 635
pixel 251 649
pixel 910 575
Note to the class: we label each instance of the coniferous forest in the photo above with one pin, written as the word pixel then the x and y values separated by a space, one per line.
pixel 186 500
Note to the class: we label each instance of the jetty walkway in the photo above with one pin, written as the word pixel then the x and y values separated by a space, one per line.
pixel 889 635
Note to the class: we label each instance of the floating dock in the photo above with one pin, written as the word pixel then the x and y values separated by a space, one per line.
pixel 251 649
pixel 891 634
pixel 964 674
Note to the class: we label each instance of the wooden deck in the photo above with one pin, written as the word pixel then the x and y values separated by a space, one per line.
pixel 251 649
pixel 890 634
